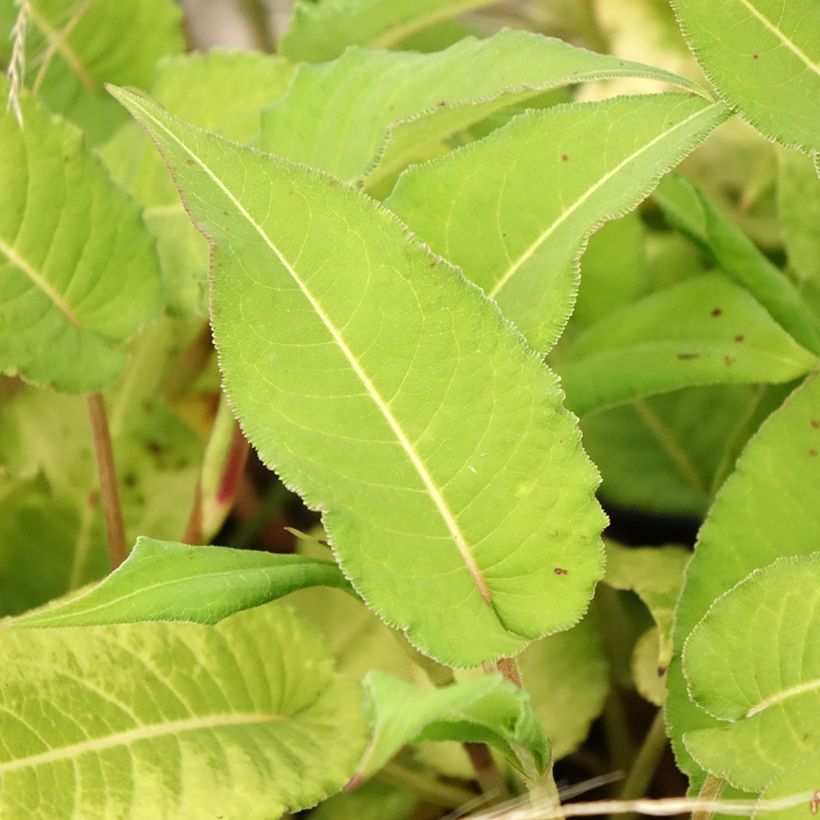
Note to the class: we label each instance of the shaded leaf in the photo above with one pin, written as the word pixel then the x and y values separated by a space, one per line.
pixel 596 160
pixel 87 712
pixel 764 58
pixel 167 581
pixel 405 485
pixel 322 31
pixel 703 331
pixel 78 273
pixel 373 801
pixel 202 88
pixel 487 709
pixel 760 514
pixel 752 664
pixel 368 114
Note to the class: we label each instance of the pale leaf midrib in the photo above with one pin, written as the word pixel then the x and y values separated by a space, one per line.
pixel 433 490
pixel 790 44
pixel 785 694
pixel 40 281
pixel 129 736
pixel 568 212
pixel 57 42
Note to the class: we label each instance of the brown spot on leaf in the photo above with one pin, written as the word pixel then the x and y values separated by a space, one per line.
pixel 561 571
pixel 154 447
pixel 716 312
pixel 815 423
pixel 686 356
pixel 729 360
pixel 189 162
pixel 93 498
pixel 755 56
pixel 564 157
pixel 130 480
pixel 813 453
pixel 661 670
pixel 740 337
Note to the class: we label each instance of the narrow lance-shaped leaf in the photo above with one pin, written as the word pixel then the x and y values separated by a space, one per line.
pixel 762 512
pixel 488 710
pixel 78 273
pixel 74 47
pixel 368 114
pixel 88 712
pixel 322 31
pixel 704 331
pixel 696 216
pixel 764 58
pixel 547 180
pixel 166 581
pixel 752 664
pixel 395 398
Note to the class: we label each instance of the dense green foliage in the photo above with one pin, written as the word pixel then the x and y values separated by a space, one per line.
pixel 439 277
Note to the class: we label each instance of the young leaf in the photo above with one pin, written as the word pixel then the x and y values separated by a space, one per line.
pixel 704 331
pixel 518 227
pixel 74 47
pixel 78 274
pixel 322 31
pixel 752 664
pixel 421 414
pixel 696 216
pixel 89 712
pixel 764 58
pixel 367 115
pixel 759 515
pixel 202 88
pixel 488 709
pixel 166 581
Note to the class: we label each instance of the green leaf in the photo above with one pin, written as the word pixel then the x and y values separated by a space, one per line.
pixel 373 801
pixel 703 331
pixel 78 273
pixel 87 713
pixel 800 779
pixel 368 323
pixel 484 208
pixel 322 31
pixel 694 214
pixel 203 89
pixel 167 581
pixel 798 206
pixel 759 515
pixel 74 47
pixel 752 664
pixel 487 709
pixel 367 115
pixel 567 678
pixel 764 58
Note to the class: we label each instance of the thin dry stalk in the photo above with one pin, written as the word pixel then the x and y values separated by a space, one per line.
pixel 17 61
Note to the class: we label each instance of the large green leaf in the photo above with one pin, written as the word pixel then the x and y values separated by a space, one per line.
pixel 78 274
pixel 322 31
pixel 203 89
pixel 695 215
pixel 396 399
pixel 488 709
pixel 752 663
pixel 246 718
pixel 703 331
pixel 167 581
pixel 74 47
pixel 764 58
pixel 514 210
pixel 368 114
pixel 761 513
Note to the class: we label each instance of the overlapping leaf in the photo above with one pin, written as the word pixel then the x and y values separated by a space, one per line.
pixel 487 709
pixel 752 664
pixel 322 31
pixel 74 46
pixel 204 88
pixel 514 210
pixel 421 415
pixel 704 331
pixel 78 273
pixel 369 114
pixel 762 513
pixel 88 712
pixel 167 581
pixel 764 58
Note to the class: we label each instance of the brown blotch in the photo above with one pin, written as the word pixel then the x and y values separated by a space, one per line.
pixel 661 670
pixel 813 453
pixel 685 356
pixel 130 480
pixel 740 337
pixel 755 56
pixel 716 312
pixel 564 157
pixel 189 162
pixel 729 360
pixel 93 498
pixel 815 423
pixel 561 571
pixel 153 447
